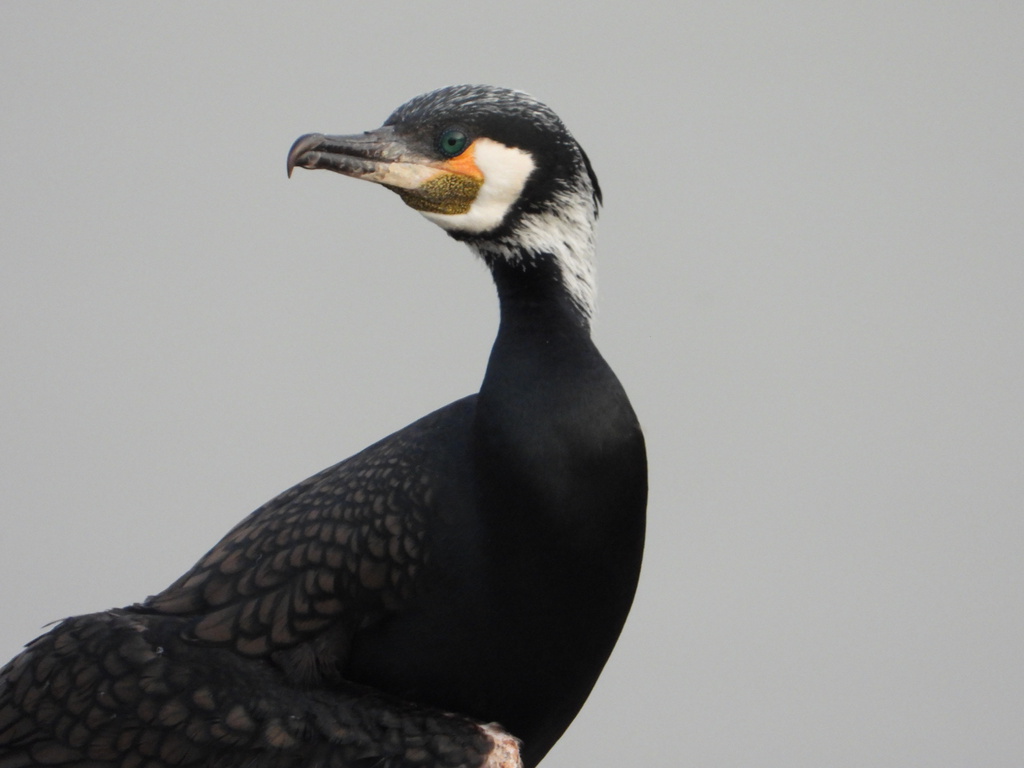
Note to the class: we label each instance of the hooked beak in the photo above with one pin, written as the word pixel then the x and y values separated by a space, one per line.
pixel 426 184
pixel 378 156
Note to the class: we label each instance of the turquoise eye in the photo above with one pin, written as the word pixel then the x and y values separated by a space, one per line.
pixel 453 142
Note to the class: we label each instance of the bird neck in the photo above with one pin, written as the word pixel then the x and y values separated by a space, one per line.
pixel 543 351
pixel 551 416
pixel 536 304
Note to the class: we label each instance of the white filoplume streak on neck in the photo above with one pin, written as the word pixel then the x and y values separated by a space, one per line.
pixel 566 231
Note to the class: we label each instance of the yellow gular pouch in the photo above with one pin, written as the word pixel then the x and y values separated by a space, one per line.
pixel 449 193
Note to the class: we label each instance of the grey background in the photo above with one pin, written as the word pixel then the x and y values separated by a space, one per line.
pixel 811 272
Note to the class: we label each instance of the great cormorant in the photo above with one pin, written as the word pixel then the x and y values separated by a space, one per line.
pixel 470 570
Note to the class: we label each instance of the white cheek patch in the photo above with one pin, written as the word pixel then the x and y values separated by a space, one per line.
pixel 505 171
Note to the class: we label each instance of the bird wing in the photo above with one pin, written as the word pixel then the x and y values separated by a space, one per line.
pixel 119 689
pixel 325 558
pixel 210 672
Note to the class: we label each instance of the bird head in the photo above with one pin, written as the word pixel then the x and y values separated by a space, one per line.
pixel 493 167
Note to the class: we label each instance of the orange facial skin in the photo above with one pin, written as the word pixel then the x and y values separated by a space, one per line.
pixel 464 164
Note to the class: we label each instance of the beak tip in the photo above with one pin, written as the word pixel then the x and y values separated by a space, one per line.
pixel 302 145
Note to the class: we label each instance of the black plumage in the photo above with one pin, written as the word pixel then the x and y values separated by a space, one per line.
pixel 475 567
